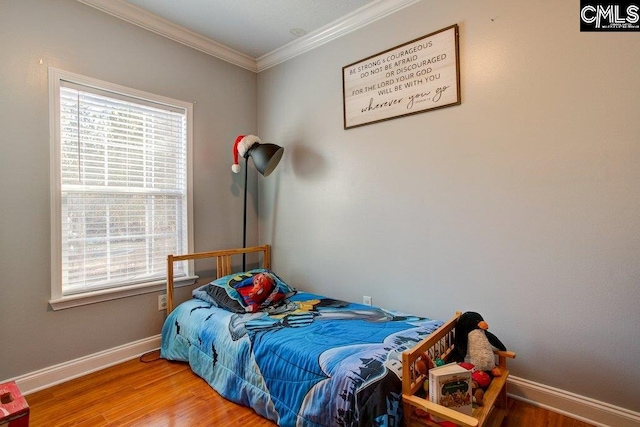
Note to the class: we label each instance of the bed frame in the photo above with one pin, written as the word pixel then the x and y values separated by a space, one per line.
pixel 223 264
pixel 437 345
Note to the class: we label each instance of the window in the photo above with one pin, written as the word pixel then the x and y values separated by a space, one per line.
pixel 120 189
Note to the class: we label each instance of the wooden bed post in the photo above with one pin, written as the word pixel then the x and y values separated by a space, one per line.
pixel 266 261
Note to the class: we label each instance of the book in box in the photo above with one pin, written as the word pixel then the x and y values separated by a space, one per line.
pixel 450 386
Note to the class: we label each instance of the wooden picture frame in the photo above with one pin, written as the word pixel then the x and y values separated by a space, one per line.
pixel 418 76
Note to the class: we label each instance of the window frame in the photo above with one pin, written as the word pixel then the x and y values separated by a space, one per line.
pixel 58 300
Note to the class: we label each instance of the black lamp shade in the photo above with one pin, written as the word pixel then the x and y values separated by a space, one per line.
pixel 265 157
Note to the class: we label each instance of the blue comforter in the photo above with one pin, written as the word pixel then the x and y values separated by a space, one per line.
pixel 312 361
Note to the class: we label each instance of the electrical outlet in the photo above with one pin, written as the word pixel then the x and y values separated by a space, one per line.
pixel 162 302
pixel 366 300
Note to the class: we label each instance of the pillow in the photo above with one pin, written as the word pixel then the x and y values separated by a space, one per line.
pixel 235 292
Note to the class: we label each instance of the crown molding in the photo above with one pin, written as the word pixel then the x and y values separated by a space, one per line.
pixel 350 22
pixel 357 19
pixel 168 29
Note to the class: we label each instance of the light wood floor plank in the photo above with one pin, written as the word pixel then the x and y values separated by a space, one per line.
pixel 162 393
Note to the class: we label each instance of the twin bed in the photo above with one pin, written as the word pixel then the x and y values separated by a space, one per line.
pixel 302 359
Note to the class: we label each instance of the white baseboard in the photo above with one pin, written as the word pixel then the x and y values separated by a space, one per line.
pixel 47 377
pixel 572 405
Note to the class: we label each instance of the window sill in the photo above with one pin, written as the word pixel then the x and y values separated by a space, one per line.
pixel 111 294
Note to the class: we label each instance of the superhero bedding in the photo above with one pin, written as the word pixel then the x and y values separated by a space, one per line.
pixel 300 359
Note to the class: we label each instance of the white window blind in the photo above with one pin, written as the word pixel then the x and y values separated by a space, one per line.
pixel 123 188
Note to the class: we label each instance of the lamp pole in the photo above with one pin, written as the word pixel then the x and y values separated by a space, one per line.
pixel 244 220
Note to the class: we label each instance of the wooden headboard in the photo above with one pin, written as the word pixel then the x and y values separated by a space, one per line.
pixel 223 264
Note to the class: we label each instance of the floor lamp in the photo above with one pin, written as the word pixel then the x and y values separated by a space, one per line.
pixel 265 159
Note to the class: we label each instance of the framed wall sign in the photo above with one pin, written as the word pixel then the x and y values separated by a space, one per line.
pixel 418 76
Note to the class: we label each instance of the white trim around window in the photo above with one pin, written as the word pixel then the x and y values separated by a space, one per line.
pixel 121 189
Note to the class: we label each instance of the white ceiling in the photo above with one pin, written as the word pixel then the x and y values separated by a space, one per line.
pixel 253 27
pixel 254 34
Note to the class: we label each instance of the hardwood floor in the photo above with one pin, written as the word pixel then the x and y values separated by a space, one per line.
pixel 162 393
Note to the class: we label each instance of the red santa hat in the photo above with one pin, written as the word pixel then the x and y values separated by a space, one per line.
pixel 240 147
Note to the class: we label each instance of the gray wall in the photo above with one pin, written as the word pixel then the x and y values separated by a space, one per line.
pixel 69 35
pixel 522 203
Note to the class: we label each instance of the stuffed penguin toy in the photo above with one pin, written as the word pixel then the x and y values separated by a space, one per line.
pixel 474 343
